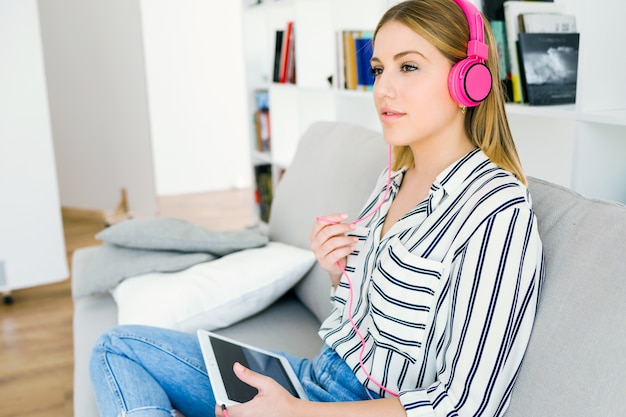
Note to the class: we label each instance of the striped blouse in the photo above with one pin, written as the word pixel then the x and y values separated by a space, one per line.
pixel 446 300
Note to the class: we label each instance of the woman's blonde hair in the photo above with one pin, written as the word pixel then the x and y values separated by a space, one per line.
pixel 444 25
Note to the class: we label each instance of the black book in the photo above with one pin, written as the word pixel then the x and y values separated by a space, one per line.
pixel 264 192
pixel 549 67
pixel 493 9
pixel 278 47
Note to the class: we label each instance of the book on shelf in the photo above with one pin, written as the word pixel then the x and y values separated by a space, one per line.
pixel 262 99
pixel 499 33
pixel 278 52
pixel 354 51
pixel 364 50
pixel 349 61
pixel 262 121
pixel 279 173
pixel 339 77
pixel 264 190
pixel 512 10
pixel 547 23
pixel 287 61
pixel 493 9
pixel 549 64
pixel 262 130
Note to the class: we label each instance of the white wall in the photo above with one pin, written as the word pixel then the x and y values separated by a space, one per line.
pixel 97 91
pixel 32 246
pixel 146 95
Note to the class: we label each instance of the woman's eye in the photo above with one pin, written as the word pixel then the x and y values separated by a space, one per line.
pixel 408 68
pixel 376 71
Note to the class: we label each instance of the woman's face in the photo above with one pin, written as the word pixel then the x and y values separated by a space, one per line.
pixel 411 89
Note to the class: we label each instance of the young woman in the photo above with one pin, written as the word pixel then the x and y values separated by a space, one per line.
pixel 434 295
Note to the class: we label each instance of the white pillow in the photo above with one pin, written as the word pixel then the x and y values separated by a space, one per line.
pixel 212 294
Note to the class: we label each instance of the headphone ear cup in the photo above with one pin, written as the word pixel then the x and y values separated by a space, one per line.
pixel 469 82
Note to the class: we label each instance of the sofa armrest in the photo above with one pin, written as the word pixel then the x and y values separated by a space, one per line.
pixel 80 260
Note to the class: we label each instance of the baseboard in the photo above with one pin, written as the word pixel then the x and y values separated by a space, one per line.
pixel 83 214
pixel 109 218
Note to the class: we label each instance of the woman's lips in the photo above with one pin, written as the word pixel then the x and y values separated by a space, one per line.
pixel 388 115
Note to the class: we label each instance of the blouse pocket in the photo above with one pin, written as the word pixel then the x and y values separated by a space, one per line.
pixel 402 295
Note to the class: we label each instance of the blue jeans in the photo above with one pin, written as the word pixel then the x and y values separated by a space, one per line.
pixel 145 371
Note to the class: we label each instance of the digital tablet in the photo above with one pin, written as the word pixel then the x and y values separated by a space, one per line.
pixel 220 354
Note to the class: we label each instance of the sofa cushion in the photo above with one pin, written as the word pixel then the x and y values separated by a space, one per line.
pixel 575 361
pixel 171 234
pixel 111 264
pixel 214 294
pixel 334 170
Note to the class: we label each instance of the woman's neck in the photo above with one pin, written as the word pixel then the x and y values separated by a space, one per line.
pixel 429 162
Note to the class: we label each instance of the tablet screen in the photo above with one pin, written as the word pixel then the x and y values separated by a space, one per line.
pixel 226 354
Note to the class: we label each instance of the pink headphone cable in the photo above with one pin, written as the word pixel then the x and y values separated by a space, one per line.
pixel 345 274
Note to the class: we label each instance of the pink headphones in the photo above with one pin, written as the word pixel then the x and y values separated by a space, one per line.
pixel 469 81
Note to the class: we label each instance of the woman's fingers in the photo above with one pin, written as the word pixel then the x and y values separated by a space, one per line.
pixel 331 243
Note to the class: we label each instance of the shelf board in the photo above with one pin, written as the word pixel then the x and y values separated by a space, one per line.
pixel 259 86
pixel 261 157
pixel 565 111
pixel 612 117
pixel 284 86
pixel 568 112
pixel 268 4
pixel 367 94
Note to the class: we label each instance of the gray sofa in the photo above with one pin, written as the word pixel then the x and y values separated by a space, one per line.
pixel 576 361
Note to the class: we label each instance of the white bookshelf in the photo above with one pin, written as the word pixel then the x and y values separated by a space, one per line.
pixel 581 146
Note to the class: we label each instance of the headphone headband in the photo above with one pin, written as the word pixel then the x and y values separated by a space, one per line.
pixel 476 46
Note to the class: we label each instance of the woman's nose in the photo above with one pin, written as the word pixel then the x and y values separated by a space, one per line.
pixel 383 87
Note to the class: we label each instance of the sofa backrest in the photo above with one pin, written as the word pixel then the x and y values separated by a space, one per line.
pixel 576 360
pixel 575 364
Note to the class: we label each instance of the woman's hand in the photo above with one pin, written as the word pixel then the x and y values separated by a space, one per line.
pixel 272 399
pixel 330 244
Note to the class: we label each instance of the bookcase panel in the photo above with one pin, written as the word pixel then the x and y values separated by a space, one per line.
pixel 601 83
pixel 357 107
pixel 546 147
pixel 314 105
pixel 357 14
pixel 258 43
pixel 285 126
pixel 315 56
pixel 601 170
pixel 278 13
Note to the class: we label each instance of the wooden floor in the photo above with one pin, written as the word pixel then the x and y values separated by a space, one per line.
pixel 36 354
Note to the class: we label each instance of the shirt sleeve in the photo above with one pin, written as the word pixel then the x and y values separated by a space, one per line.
pixel 491 304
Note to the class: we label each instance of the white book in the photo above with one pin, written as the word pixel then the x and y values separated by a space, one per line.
pixel 339 80
pixel 548 23
pixel 512 11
